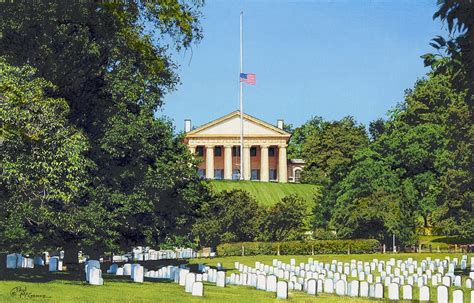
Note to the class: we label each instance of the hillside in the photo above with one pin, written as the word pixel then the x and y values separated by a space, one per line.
pixel 268 193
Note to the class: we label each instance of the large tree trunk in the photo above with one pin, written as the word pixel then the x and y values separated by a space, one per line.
pixel 71 258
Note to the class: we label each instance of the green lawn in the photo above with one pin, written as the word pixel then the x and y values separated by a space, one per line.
pixel 64 287
pixel 442 242
pixel 268 193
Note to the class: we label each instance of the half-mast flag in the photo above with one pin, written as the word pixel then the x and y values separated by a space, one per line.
pixel 247 78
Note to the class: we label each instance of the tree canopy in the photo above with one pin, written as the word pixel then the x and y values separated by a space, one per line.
pixel 110 64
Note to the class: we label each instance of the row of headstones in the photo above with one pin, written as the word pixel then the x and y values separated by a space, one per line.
pixel 355 288
pixel 284 274
pixel 193 282
pixel 283 270
pixel 19 261
pixel 265 269
pixel 184 253
pixel 367 267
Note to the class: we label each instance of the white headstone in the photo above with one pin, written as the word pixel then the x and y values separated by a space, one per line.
pixel 127 269
pixel 261 282
pixel 442 293
pixel 458 296
pixel 407 292
pixel 282 290
pixel 457 281
pixel 271 283
pixel 12 260
pixel 220 279
pixel 182 277
pixel 424 293
pixel 363 289
pixel 341 286
pixel 469 283
pixel 354 288
pixel 119 271
pixel 112 269
pixel 138 274
pixel 95 277
pixel 447 281
pixel 312 287
pixel 198 289
pixel 378 291
pixel 53 264
pixel 329 286
pixel 394 291
pixel 189 281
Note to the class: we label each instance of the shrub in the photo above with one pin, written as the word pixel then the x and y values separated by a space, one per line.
pixel 299 247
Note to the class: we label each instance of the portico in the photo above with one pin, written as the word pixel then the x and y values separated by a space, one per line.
pixel 217 144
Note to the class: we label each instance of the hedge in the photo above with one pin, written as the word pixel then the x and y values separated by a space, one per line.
pixel 358 246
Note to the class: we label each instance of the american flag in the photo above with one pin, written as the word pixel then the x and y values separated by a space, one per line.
pixel 247 78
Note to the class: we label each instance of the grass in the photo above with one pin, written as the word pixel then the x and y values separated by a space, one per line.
pixel 66 287
pixel 442 242
pixel 268 193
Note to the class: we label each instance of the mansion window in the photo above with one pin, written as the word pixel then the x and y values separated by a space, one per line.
pixel 253 152
pixel 200 151
pixel 219 174
pixel 236 174
pixel 272 174
pixel 236 151
pixel 202 173
pixel 297 175
pixel 218 151
pixel 255 174
pixel 271 151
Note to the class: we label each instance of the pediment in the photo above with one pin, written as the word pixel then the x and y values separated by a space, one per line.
pixel 229 126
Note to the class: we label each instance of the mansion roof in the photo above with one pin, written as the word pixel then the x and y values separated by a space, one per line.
pixel 228 126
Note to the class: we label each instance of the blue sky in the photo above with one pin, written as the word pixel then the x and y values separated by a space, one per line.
pixel 311 58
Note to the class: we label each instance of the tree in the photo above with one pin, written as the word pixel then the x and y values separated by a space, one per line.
pixel 42 161
pixel 230 216
pixel 110 62
pixel 421 141
pixel 371 202
pixel 286 220
pixel 455 56
pixel 328 155
pixel 299 135
pixel 455 59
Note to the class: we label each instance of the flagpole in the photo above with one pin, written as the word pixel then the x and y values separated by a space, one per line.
pixel 241 103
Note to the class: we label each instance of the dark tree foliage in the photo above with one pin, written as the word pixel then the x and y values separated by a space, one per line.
pixel 328 152
pixel 230 216
pixel 110 62
pixel 285 220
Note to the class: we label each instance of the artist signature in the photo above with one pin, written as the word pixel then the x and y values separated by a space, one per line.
pixel 23 293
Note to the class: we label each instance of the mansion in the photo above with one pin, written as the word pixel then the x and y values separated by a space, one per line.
pixel 217 143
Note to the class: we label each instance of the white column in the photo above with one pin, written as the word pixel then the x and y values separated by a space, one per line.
pixel 264 170
pixel 282 166
pixel 209 162
pixel 228 162
pixel 247 163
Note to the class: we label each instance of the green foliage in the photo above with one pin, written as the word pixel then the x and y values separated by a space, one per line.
pixel 42 160
pixel 328 155
pixel 299 247
pixel 299 135
pixel 229 216
pixel 110 63
pixel 368 191
pixel 286 219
